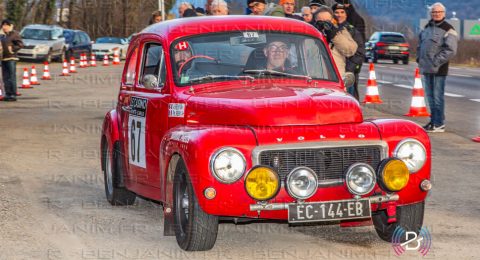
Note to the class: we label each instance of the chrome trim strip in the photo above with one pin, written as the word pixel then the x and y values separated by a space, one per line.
pixel 284 206
pixel 318 145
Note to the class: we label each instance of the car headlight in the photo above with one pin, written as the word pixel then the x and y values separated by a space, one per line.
pixel 412 152
pixel 302 183
pixel 393 174
pixel 262 183
pixel 360 178
pixel 228 165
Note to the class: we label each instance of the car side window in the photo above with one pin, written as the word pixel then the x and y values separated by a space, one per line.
pixel 153 64
pixel 76 38
pixel 131 68
pixel 85 38
pixel 56 33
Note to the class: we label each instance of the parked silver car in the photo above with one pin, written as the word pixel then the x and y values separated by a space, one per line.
pixel 43 42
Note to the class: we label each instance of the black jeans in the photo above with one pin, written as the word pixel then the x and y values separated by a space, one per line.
pixel 9 74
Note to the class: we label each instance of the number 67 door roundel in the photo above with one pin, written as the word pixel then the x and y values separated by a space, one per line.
pixel 136 131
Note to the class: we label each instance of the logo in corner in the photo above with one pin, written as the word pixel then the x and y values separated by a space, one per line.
pixel 412 242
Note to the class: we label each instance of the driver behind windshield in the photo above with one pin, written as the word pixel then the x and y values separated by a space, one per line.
pixel 277 53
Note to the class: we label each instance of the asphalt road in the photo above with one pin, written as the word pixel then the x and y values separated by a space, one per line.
pixel 53 206
pixel 462 95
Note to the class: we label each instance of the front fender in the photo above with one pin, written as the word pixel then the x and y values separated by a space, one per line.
pixel 393 131
pixel 195 145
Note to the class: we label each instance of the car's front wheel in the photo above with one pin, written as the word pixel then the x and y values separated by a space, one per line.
pixel 409 217
pixel 195 230
pixel 116 196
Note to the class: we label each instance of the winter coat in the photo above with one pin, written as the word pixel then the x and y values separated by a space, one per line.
pixel 436 46
pixel 342 46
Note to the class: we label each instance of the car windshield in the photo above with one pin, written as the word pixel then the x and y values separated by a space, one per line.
pixel 109 40
pixel 36 34
pixel 392 39
pixel 249 55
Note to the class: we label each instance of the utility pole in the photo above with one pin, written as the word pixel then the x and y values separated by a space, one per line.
pixel 161 7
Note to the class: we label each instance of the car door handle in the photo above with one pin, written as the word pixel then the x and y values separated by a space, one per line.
pixel 127 108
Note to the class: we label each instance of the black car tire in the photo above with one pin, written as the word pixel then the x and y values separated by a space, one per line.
pixel 116 196
pixel 409 217
pixel 395 61
pixel 374 58
pixel 195 230
pixel 405 61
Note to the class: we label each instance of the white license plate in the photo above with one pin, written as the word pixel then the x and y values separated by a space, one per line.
pixel 328 211
pixel 393 47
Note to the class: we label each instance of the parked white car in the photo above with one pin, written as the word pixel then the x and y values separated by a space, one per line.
pixel 107 45
pixel 42 42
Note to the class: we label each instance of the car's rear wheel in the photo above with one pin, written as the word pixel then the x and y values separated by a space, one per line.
pixel 409 217
pixel 116 196
pixel 195 230
pixel 374 58
pixel 405 61
pixel 395 61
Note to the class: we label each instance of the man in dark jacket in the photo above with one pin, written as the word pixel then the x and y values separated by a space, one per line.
pixel 436 46
pixel 354 63
pixel 353 17
pixel 11 43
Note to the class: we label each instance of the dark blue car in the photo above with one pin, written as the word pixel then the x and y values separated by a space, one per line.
pixel 78 42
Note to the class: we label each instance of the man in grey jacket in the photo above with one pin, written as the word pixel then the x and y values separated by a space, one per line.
pixel 436 46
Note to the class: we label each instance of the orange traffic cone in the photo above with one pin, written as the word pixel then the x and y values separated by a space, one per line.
pixel 116 58
pixel 25 81
pixel 65 69
pixel 82 64
pixel 33 78
pixel 85 61
pixel 93 60
pixel 418 106
pixel 46 72
pixel 1 94
pixel 72 69
pixel 476 139
pixel 105 60
pixel 372 96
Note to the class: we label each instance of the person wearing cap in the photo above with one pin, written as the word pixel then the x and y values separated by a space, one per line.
pixel 11 43
pixel 339 40
pixel 286 8
pixel 219 7
pixel 315 4
pixel 353 17
pixel 257 7
pixel 307 15
pixel 354 63
pixel 276 53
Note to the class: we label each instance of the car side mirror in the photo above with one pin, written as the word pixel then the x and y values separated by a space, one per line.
pixel 348 79
pixel 150 81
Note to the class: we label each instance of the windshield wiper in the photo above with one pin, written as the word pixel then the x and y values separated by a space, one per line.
pixel 276 73
pixel 218 77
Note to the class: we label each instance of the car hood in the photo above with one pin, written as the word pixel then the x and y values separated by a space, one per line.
pixel 30 42
pixel 106 46
pixel 273 105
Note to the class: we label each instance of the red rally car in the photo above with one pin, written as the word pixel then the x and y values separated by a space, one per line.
pixel 245 117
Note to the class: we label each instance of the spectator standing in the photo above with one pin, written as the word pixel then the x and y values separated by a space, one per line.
pixel 307 15
pixel 354 63
pixel 257 7
pixel 436 46
pixel 219 7
pixel 11 43
pixel 286 8
pixel 183 7
pixel 340 41
pixel 156 17
pixel 353 17
pixel 315 4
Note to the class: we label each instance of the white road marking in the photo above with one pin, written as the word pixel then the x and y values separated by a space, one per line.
pixel 381 66
pixel 384 82
pixel 403 86
pixel 397 68
pixel 452 95
pixel 362 77
pixel 461 75
pixel 476 100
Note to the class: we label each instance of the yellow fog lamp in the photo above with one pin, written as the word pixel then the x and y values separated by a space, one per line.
pixel 262 183
pixel 393 174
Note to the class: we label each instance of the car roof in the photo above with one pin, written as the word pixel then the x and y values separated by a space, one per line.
pixel 71 30
pixel 43 26
pixel 391 33
pixel 176 28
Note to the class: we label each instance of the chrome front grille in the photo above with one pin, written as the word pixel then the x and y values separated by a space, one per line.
pixel 330 163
